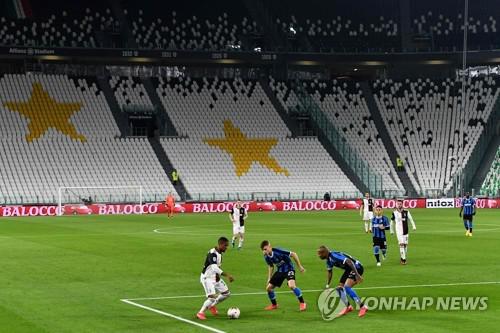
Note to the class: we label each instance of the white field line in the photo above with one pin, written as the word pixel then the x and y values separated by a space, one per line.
pixel 318 290
pixel 458 230
pixel 166 314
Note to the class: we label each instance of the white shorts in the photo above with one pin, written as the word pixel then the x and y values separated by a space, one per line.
pixel 213 287
pixel 402 239
pixel 237 229
pixel 367 216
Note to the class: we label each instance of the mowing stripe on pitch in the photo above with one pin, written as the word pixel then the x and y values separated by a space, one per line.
pixel 172 316
pixel 318 290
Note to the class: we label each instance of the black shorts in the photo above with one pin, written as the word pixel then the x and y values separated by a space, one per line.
pixel 278 278
pixel 381 242
pixel 349 274
pixel 468 218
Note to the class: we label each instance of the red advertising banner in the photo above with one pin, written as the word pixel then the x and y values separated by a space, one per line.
pixel 221 207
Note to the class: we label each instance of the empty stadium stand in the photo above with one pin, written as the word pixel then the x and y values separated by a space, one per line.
pixel 190 25
pixel 425 129
pixel 491 184
pixel 345 106
pixel 61 131
pixel 237 143
pixel 131 94
pixel 57 23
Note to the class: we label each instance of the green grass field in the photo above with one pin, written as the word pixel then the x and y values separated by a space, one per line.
pixel 69 274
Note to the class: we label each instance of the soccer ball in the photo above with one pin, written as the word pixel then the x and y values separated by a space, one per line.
pixel 233 313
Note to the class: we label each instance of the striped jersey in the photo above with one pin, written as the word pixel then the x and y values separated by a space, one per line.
pixel 338 259
pixel 281 259
pixel 378 221
pixel 469 205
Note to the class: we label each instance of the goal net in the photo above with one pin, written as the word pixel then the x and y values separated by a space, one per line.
pixel 82 199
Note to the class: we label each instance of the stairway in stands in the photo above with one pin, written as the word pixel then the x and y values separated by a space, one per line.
pixel 384 135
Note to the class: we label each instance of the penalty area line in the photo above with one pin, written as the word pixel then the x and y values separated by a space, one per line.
pixel 318 290
pixel 166 314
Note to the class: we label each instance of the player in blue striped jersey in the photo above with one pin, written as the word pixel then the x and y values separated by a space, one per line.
pixel 353 271
pixel 282 261
pixel 380 224
pixel 469 210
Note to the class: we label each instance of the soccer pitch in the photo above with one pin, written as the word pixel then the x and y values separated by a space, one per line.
pixel 71 274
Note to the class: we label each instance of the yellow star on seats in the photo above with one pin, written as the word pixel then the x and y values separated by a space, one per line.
pixel 44 112
pixel 245 151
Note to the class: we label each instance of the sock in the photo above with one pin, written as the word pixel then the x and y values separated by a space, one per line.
pixel 376 250
pixel 352 294
pixel 240 244
pixel 366 226
pixel 470 227
pixel 384 251
pixel 222 298
pixel 402 252
pixel 207 304
pixel 298 293
pixel 406 251
pixel 232 241
pixel 466 224
pixel 272 297
pixel 342 295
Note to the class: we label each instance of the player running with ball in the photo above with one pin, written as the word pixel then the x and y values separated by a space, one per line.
pixel 284 270
pixel 400 218
pixel 353 271
pixel 216 289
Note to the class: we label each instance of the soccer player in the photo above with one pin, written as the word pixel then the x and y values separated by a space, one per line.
pixel 353 271
pixel 238 215
pixel 469 210
pixel 282 260
pixel 216 289
pixel 366 210
pixel 400 217
pixel 170 203
pixel 379 224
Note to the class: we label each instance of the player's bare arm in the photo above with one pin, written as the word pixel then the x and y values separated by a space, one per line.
pixel 270 271
pixel 329 275
pixel 230 278
pixel 295 258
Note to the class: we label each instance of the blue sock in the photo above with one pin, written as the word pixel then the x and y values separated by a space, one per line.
pixel 470 226
pixel 376 250
pixel 298 293
pixel 272 296
pixel 352 294
pixel 342 295
pixel 384 251
pixel 466 224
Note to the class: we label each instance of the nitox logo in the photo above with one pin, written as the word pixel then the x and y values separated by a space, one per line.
pixel 441 203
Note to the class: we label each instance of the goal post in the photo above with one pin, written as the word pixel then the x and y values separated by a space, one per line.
pixel 86 195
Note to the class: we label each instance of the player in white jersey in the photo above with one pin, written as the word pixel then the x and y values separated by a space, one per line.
pixel 366 210
pixel 238 215
pixel 400 217
pixel 216 289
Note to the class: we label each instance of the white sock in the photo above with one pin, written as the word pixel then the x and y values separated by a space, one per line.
pixel 240 244
pixel 221 298
pixel 208 303
pixel 406 251
pixel 366 226
pixel 402 252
